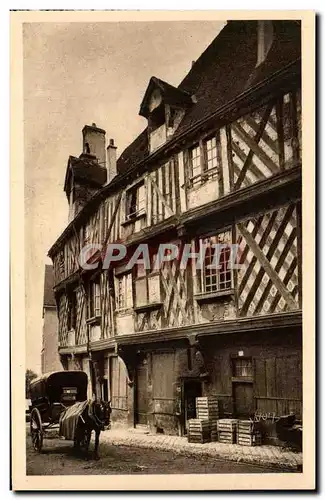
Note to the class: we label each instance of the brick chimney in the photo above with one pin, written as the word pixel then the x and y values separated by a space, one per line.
pixel 94 142
pixel 111 160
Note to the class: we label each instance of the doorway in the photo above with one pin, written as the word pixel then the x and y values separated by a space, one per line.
pixel 192 389
pixel 242 387
pixel 141 412
pixel 243 399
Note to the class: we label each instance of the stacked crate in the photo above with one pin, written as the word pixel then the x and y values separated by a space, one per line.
pixel 248 433
pixel 207 408
pixel 199 431
pixel 227 430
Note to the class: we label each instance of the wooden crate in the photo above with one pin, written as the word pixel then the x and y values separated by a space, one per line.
pixel 199 439
pixel 249 439
pixel 227 437
pixel 206 415
pixel 227 425
pixel 198 424
pixel 246 426
pixel 207 399
pixel 214 436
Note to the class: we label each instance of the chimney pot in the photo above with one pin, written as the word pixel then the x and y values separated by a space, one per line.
pixel 94 142
pixel 111 160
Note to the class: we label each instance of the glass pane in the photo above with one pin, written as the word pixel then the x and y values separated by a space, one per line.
pixel 217 277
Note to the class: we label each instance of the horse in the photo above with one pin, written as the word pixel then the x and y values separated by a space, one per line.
pixel 95 417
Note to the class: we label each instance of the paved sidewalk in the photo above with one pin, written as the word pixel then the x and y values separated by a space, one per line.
pixel 273 456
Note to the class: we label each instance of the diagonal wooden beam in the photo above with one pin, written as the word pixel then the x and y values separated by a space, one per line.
pixel 269 255
pixel 118 201
pixel 253 168
pixel 271 143
pixel 256 140
pixel 251 143
pixel 161 196
pixel 286 280
pixel 277 268
pixel 267 266
pixel 263 241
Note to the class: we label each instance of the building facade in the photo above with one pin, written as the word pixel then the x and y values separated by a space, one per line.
pixel 50 359
pixel 219 163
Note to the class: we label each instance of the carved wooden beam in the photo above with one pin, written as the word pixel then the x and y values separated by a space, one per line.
pixel 199 354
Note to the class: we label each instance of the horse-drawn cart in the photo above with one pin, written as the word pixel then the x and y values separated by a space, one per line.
pixel 51 395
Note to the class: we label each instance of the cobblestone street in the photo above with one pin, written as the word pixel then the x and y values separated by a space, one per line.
pixel 127 452
pixel 58 458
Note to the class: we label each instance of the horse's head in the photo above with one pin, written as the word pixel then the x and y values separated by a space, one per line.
pixel 103 412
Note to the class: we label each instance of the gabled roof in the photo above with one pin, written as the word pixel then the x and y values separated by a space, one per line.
pixel 226 69
pixel 48 299
pixel 85 169
pixel 171 95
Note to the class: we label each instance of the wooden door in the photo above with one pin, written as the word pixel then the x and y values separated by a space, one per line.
pixel 243 399
pixel 142 394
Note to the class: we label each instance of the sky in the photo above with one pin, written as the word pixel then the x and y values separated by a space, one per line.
pixel 77 74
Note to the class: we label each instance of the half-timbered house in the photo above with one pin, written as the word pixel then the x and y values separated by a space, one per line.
pixel 219 162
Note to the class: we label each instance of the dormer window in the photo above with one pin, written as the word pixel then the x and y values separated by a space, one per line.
pixel 164 106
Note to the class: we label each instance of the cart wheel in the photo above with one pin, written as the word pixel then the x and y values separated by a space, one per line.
pixel 36 430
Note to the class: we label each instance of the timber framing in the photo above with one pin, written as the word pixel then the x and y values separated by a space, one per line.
pixel 271 192
pixel 284 80
pixel 193 332
pixel 235 206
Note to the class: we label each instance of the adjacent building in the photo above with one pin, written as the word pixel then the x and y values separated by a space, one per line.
pixel 218 163
pixel 50 359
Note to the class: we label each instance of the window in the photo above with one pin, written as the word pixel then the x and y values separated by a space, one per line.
pixel 94 309
pixel 72 314
pixel 124 291
pixel 195 161
pixel 242 367
pixel 216 273
pixel 211 153
pixel 136 201
pixel 203 160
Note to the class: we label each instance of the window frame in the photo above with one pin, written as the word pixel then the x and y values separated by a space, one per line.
pixel 94 293
pixel 239 377
pixel 148 274
pixel 215 285
pixel 72 311
pixel 139 212
pixel 206 172
pixel 125 307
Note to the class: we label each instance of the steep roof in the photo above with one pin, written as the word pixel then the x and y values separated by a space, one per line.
pixel 85 169
pixel 171 95
pixel 225 69
pixel 48 299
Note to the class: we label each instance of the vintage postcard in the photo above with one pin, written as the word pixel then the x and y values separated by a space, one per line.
pixel 162 181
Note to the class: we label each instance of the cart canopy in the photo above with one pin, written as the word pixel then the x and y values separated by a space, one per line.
pixel 54 385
